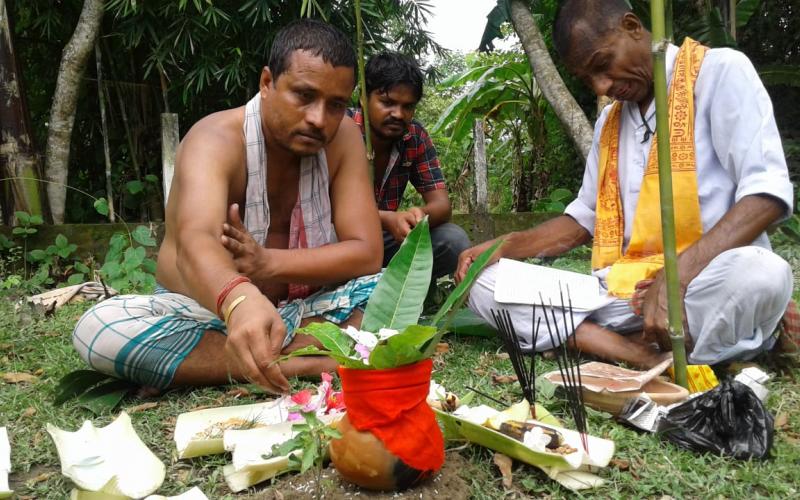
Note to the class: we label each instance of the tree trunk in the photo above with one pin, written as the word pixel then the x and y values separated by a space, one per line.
pixel 481 176
pixel 65 101
pixel 544 70
pixel 18 160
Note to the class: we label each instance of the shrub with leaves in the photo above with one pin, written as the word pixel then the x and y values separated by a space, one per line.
pixel 126 266
pixel 56 264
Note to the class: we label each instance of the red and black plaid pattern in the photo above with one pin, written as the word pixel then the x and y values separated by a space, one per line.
pixel 416 161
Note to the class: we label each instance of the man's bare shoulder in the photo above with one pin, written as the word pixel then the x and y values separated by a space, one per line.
pixel 348 143
pixel 216 139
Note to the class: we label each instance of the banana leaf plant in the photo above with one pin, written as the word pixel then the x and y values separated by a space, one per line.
pixel 390 335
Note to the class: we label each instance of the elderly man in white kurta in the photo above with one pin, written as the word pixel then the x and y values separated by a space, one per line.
pixel 730 183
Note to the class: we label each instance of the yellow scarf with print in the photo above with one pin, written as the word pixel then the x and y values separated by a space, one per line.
pixel 645 257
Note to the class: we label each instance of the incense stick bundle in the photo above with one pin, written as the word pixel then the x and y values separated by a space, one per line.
pixel 568 362
pixel 526 373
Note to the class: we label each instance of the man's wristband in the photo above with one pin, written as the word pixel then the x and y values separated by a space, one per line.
pixel 226 290
pixel 238 300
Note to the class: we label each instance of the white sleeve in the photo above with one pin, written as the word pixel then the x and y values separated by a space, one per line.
pixel 743 130
pixel 582 208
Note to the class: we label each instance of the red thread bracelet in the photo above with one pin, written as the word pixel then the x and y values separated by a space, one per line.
pixel 230 285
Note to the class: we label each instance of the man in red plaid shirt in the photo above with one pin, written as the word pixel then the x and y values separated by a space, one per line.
pixel 403 152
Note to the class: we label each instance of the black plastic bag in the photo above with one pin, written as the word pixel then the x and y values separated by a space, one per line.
pixel 727 420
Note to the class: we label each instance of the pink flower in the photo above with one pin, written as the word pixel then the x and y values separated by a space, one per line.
pixel 363 351
pixel 334 402
pixel 304 399
pixel 295 417
pixel 301 398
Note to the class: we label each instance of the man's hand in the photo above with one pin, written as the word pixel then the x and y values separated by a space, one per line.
pixel 655 312
pixel 401 223
pixel 469 255
pixel 247 254
pixel 255 339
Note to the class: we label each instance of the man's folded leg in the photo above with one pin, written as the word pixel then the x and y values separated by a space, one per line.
pixel 734 305
pixel 169 339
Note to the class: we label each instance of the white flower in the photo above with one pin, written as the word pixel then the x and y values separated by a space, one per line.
pixel 367 339
pixel 385 333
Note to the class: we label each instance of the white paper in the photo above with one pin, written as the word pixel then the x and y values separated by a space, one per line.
pixel 5 463
pixel 521 283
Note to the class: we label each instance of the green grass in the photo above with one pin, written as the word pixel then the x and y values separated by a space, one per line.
pixel 29 343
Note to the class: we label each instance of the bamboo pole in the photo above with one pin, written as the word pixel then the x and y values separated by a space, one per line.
pixel 104 130
pixel 362 86
pixel 674 306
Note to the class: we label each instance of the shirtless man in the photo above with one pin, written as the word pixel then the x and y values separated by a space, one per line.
pixel 309 222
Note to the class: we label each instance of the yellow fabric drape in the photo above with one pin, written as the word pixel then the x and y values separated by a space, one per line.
pixel 644 257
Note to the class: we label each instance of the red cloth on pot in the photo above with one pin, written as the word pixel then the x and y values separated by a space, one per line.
pixel 391 404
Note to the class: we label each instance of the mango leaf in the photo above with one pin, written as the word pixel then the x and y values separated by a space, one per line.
pixel 459 295
pixel 386 356
pixel 311 350
pixel 413 335
pixel 76 383
pixel 401 349
pixel 398 298
pixel 105 397
pixel 330 336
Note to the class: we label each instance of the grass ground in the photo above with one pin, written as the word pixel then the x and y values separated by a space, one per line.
pixel 645 466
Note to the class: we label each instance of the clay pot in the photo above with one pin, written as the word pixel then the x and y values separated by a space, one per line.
pixel 390 437
pixel 362 459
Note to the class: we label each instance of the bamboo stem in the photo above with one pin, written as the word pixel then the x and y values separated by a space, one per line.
pixel 674 306
pixel 362 87
pixel 104 131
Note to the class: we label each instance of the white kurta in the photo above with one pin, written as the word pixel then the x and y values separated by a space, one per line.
pixel 737 144
pixel 731 313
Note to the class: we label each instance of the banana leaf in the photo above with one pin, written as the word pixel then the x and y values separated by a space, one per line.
pixel 105 397
pixel 465 322
pixel 399 296
pixel 554 465
pixel 457 297
pixel 76 383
